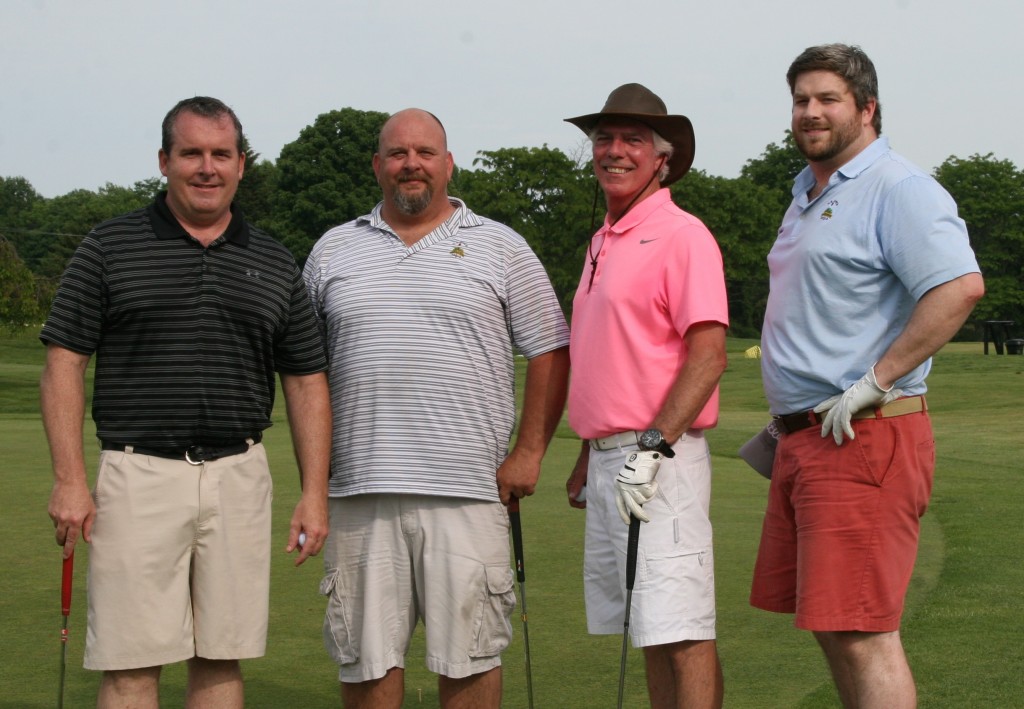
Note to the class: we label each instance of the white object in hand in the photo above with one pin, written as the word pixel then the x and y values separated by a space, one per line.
pixel 302 539
pixel 863 394
pixel 636 485
pixel 582 495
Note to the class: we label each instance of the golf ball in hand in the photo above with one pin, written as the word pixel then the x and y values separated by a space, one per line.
pixel 302 539
pixel 582 496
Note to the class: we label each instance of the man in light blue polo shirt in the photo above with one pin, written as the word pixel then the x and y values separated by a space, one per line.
pixel 871 273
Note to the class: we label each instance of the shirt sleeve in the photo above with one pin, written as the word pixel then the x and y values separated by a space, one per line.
pixel 921 236
pixel 536 319
pixel 695 283
pixel 75 321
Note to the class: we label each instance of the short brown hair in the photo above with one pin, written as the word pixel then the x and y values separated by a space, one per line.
pixel 851 64
pixel 201 106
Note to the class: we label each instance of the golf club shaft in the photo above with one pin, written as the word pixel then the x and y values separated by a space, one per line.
pixel 631 550
pixel 517 549
pixel 67 573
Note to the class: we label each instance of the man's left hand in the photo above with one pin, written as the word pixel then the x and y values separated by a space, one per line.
pixel 309 518
pixel 841 407
pixel 635 484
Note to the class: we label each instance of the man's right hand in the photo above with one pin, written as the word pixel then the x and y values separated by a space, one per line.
pixel 577 481
pixel 73 512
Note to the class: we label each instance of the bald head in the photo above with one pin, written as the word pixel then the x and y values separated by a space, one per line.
pixel 413 166
pixel 414 115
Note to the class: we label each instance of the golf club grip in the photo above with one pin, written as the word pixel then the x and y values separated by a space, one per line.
pixel 517 538
pixel 65 584
pixel 631 545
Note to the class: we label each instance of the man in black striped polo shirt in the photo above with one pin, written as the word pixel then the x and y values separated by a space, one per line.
pixel 189 311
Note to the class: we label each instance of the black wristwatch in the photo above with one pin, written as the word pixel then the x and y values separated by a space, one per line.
pixel 652 440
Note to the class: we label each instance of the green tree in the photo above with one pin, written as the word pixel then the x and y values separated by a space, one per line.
pixel 19 291
pixel 775 169
pixel 257 189
pixel 18 200
pixel 325 177
pixel 542 194
pixel 61 223
pixel 744 218
pixel 990 196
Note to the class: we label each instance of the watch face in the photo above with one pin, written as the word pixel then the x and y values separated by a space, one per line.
pixel 650 439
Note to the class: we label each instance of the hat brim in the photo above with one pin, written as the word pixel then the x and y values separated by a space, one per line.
pixel 675 129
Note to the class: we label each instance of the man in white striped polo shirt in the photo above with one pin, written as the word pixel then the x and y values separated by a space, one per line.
pixel 421 303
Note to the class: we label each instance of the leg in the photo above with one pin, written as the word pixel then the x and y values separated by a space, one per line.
pixel 684 674
pixel 870 669
pixel 214 684
pixel 135 688
pixel 479 691
pixel 384 693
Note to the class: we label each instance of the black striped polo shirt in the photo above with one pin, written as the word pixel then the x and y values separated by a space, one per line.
pixel 186 338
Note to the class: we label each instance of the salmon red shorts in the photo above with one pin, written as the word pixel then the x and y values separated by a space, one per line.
pixel 841 528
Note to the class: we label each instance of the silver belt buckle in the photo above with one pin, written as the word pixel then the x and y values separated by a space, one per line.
pixel 189 459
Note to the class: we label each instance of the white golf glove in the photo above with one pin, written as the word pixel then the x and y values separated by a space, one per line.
pixel 635 484
pixel 841 407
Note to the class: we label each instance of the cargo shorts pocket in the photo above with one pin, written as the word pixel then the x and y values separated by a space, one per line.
pixel 498 600
pixel 340 640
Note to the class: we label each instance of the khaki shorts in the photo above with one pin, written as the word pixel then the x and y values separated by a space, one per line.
pixel 674 591
pixel 391 560
pixel 179 564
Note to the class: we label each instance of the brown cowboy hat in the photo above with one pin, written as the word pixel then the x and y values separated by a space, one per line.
pixel 639 103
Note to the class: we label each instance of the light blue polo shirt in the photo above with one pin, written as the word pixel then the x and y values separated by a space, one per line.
pixel 847 269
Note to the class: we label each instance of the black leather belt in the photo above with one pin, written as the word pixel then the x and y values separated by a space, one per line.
pixel 194 455
pixel 791 423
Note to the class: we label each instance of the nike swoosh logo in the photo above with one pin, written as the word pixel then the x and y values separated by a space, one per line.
pixel 647 241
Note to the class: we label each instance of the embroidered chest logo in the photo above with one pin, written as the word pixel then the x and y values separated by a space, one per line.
pixel 458 251
pixel 252 273
pixel 828 213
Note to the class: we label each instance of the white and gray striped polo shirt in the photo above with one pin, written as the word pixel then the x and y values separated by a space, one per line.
pixel 420 345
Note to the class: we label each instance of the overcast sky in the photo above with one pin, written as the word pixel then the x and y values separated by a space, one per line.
pixel 86 83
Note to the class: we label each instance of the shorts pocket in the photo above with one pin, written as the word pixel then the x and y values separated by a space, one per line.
pixel 339 640
pixel 498 600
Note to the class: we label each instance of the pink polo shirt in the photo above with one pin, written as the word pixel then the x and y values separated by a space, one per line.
pixel 659 271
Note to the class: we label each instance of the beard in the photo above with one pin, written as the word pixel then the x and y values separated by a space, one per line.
pixel 412 204
pixel 840 137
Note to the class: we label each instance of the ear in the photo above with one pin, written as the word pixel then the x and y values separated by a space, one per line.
pixel 162 160
pixel 868 114
pixel 450 164
pixel 241 165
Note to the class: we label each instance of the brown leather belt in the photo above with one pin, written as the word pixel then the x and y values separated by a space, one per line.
pixel 791 423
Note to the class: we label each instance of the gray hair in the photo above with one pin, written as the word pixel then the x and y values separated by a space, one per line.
pixel 661 147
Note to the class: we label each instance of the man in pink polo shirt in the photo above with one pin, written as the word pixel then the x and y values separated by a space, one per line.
pixel 647 350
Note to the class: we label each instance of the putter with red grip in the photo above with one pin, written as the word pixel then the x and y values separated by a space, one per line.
pixel 517 547
pixel 65 610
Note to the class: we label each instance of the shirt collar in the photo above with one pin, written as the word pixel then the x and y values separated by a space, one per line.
pixel 638 212
pixel 851 170
pixel 167 226
pixel 461 218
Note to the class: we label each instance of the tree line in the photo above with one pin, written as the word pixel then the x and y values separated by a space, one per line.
pixel 324 178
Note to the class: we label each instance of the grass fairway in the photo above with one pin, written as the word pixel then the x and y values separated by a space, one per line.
pixel 962 629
